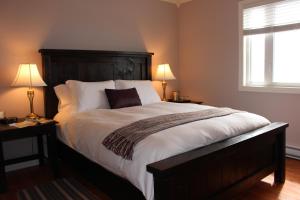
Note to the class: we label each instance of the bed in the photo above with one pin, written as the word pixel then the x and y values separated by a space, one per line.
pixel 216 171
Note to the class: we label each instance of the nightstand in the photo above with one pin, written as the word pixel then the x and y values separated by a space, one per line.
pixel 185 101
pixel 8 133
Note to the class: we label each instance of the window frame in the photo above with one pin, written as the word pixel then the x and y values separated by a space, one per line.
pixel 268 86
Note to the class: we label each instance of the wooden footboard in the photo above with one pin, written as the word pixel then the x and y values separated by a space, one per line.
pixel 223 169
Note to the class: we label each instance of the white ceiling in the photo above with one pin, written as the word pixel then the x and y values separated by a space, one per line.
pixel 177 2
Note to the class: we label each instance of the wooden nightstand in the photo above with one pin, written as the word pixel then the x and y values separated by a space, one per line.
pixel 185 101
pixel 8 133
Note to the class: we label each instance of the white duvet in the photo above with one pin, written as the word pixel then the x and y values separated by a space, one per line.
pixel 85 132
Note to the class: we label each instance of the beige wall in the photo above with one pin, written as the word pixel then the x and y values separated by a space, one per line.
pixel 205 32
pixel 129 25
pixel 208 49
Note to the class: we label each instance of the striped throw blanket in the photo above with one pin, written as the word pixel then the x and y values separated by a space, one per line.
pixel 123 140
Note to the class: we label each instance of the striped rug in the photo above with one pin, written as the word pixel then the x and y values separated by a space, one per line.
pixel 62 189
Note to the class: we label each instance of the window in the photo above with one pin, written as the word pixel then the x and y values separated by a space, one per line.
pixel 270 45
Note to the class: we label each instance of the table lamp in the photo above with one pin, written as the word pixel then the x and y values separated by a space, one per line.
pixel 29 76
pixel 164 74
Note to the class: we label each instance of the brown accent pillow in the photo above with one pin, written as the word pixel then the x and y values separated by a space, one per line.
pixel 122 98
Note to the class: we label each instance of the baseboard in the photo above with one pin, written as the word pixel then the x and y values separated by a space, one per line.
pixel 293 152
pixel 21 165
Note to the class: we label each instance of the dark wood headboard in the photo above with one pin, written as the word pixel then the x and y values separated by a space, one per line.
pixel 60 65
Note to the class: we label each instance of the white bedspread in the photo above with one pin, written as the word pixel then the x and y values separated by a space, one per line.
pixel 85 132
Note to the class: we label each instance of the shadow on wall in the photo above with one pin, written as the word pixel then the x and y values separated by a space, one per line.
pixel 132 25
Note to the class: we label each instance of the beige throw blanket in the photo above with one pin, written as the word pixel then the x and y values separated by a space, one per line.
pixel 123 140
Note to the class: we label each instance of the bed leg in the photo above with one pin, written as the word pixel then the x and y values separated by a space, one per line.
pixel 279 175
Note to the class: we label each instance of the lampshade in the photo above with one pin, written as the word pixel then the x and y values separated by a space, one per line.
pixel 164 73
pixel 29 76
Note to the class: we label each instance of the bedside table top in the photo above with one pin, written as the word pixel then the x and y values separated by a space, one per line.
pixel 185 101
pixel 10 132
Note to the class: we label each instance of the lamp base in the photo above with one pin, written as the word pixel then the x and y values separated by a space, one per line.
pixel 164 86
pixel 32 116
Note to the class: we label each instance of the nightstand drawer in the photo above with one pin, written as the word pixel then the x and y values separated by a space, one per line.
pixel 12 133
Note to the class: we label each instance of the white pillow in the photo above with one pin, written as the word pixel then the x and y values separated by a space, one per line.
pixel 64 97
pixel 145 89
pixel 89 95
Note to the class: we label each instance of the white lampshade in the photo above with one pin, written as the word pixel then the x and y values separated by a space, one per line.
pixel 28 76
pixel 164 73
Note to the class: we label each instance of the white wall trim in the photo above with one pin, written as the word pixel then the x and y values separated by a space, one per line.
pixel 177 2
pixel 21 165
pixel 293 152
pixel 269 89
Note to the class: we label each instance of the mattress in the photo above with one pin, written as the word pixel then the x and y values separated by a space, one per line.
pixel 85 131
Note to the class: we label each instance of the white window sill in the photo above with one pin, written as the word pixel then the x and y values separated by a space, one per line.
pixel 270 89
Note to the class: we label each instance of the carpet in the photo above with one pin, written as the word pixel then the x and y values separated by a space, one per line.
pixel 61 189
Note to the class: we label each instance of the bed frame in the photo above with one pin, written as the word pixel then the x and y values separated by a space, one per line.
pixel 217 171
